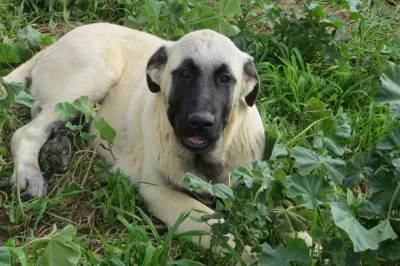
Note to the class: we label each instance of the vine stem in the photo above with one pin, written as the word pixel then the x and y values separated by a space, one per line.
pixel 90 165
pixel 396 191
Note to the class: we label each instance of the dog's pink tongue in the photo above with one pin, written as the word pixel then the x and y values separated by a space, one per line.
pixel 196 140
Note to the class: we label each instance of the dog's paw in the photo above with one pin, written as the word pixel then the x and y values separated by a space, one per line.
pixel 57 152
pixel 31 182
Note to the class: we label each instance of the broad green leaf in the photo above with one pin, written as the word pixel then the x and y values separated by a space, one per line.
pixel 384 231
pixel 307 161
pixel 74 127
pixel 274 257
pixel 225 28
pixel 5 256
pixel 316 109
pixel 24 51
pixel 30 36
pixel 107 133
pixel 66 234
pixel 296 251
pixel 222 191
pixel 203 15
pixel 279 150
pixel 316 10
pixel 335 168
pixel 152 8
pixel 86 136
pixel 396 163
pixel 368 210
pixel 8 54
pixel 61 250
pixel 354 168
pixel 362 238
pixel 58 253
pixel 85 106
pixel 311 188
pixel 389 141
pixel 242 174
pixel 262 174
pixel 389 92
pixel 383 185
pixel 8 92
pixel 390 249
pixel 337 250
pixel 65 111
pixel 196 183
pixel 218 190
pixel 336 133
pixel 229 7
pixel 47 40
pixel 25 99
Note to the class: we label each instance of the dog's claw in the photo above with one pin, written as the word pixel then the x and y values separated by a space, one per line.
pixel 31 182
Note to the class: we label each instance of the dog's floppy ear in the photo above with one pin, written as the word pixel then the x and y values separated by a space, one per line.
pixel 155 67
pixel 251 82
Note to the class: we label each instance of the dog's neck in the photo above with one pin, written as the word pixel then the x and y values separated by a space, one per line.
pixel 211 171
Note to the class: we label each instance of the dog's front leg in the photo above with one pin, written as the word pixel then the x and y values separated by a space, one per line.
pixel 25 146
pixel 168 204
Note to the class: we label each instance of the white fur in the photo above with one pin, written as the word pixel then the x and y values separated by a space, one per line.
pixel 109 61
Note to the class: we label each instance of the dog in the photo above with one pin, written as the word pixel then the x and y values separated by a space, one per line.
pixel 177 107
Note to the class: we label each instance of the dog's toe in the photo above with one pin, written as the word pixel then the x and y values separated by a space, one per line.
pixel 31 182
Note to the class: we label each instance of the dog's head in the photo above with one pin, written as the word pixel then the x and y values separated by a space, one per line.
pixel 203 77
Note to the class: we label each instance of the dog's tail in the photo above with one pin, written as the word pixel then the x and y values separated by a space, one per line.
pixel 23 72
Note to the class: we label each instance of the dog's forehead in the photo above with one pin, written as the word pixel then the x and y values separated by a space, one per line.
pixel 207 49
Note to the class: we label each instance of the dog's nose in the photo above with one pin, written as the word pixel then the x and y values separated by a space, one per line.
pixel 201 120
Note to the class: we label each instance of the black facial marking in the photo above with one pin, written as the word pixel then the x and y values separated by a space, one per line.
pixel 154 87
pixel 224 75
pixel 156 61
pixel 199 103
pixel 251 73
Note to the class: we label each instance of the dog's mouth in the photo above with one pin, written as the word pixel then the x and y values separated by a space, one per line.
pixel 196 143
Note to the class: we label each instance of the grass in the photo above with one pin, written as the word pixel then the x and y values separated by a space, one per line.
pixel 318 87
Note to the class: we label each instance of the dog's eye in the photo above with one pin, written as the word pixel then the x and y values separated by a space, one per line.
pixel 225 78
pixel 185 73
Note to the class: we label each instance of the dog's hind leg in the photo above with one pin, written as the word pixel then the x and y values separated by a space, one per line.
pixel 25 146
pixel 80 63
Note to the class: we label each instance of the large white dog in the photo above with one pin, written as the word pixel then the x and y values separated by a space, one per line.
pixel 177 107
